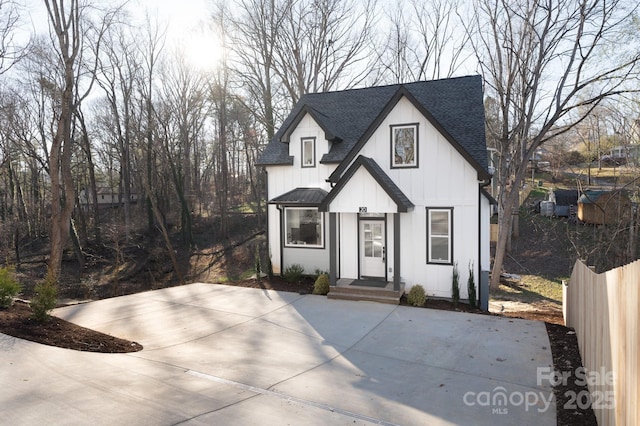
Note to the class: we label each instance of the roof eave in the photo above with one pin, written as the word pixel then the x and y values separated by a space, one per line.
pixel 288 162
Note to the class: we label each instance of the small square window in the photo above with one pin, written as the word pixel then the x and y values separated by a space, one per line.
pixel 439 235
pixel 308 152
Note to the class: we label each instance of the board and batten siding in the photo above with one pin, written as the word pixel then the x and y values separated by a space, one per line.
pixel 443 178
pixel 282 179
pixel 364 191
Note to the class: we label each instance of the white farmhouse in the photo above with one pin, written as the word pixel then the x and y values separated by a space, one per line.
pixel 383 188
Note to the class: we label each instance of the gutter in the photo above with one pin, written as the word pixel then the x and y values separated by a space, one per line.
pixel 483 184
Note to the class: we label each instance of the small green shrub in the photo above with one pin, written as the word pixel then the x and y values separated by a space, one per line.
pixel 319 272
pixel 471 287
pixel 417 296
pixel 269 268
pixel 257 267
pixel 293 273
pixel 45 299
pixel 455 286
pixel 9 287
pixel 321 286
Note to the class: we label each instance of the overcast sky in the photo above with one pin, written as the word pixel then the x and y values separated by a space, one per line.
pixel 187 22
pixel 182 16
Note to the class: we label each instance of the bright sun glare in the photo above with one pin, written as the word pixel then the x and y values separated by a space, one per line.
pixel 203 51
pixel 188 31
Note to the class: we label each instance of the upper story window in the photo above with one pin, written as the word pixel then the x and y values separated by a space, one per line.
pixel 404 145
pixel 308 152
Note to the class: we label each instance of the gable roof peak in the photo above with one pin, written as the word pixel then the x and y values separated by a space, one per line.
pixel 454 105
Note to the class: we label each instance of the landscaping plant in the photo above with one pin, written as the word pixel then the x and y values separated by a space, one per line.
pixel 45 299
pixel 269 268
pixel 9 287
pixel 321 286
pixel 293 273
pixel 455 286
pixel 417 296
pixel 471 287
pixel 257 268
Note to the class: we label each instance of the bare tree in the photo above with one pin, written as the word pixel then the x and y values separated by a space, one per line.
pixel 118 74
pixel 254 33
pixel 542 61
pixel 425 40
pixel 322 45
pixel 181 117
pixel 69 26
pixel 151 49
pixel 11 51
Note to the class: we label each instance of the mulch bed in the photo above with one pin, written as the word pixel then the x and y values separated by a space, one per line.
pixel 566 359
pixel 17 321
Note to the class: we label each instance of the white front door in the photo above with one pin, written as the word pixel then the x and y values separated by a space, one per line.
pixel 372 249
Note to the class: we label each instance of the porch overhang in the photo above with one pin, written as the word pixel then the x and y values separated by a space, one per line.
pixel 363 188
pixel 304 197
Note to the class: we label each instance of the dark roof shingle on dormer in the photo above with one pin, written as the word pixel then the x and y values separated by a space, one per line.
pixel 455 106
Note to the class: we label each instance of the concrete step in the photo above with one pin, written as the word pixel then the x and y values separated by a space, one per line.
pixel 366 298
pixel 372 294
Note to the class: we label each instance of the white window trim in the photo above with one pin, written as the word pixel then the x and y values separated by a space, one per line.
pixel 285 230
pixel 449 236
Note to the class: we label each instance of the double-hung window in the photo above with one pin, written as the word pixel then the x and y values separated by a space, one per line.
pixel 440 235
pixel 303 227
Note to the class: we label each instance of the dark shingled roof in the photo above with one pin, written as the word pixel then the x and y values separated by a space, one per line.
pixel 566 197
pixel 301 197
pixel 401 200
pixel 454 106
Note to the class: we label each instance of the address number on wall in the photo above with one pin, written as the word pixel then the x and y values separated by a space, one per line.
pixel 363 209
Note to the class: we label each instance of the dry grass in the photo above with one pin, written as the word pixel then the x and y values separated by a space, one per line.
pixel 530 289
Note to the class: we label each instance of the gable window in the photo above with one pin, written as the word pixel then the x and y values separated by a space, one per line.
pixel 439 235
pixel 304 227
pixel 404 145
pixel 308 152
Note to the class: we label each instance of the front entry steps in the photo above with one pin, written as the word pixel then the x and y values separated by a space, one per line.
pixel 348 289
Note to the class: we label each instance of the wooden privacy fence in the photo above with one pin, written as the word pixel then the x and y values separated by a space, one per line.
pixel 604 311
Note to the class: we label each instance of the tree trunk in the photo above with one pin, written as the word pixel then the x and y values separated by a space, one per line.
pixel 62 188
pixel 505 223
pixel 92 190
pixel 77 248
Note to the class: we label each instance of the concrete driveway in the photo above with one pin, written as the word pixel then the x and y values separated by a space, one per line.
pixel 216 354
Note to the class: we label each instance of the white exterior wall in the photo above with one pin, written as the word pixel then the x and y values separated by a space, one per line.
pixel 282 179
pixel 275 237
pixel 348 249
pixel 485 236
pixel 443 179
pixel 363 191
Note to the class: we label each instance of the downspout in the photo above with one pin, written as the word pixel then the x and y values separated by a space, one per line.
pixel 483 184
pixel 266 210
pixel 281 227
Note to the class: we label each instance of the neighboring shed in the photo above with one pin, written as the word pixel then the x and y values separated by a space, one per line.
pixel 603 207
pixel 566 201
